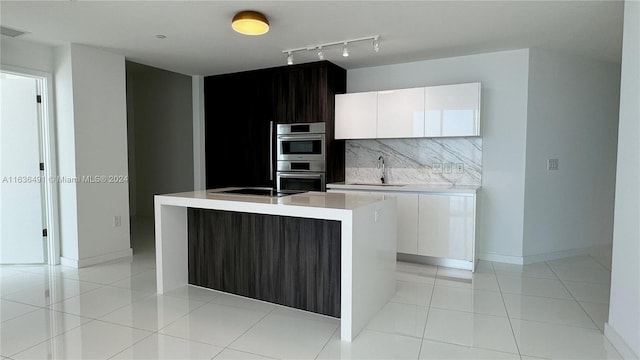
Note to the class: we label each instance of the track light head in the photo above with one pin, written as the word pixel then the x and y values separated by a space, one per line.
pixel 320 53
pixel 376 44
pixel 289 58
pixel 345 50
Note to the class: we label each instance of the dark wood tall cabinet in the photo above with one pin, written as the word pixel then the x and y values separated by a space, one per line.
pixel 242 110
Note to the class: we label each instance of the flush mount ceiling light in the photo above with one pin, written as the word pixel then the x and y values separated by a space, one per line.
pixel 250 23
pixel 344 43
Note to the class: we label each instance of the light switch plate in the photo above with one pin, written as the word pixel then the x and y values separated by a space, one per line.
pixel 436 168
pixel 459 168
pixel 552 164
pixel 447 168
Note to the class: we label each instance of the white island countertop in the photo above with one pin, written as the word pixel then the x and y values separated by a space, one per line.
pixel 368 241
pixel 309 204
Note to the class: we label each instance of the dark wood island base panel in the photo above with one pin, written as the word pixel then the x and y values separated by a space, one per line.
pixel 280 259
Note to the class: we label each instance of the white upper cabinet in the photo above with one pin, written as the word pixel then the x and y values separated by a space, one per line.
pixel 433 111
pixel 356 115
pixel 401 113
pixel 452 110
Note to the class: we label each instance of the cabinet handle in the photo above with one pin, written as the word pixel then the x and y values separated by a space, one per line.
pixel 271 150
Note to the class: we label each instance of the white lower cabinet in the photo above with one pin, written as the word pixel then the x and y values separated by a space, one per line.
pixel 446 226
pixel 407 222
pixel 431 224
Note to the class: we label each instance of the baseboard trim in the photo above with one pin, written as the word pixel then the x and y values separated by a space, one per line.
pixel 508 259
pixel 530 259
pixel 116 255
pixel 619 344
pixel 429 260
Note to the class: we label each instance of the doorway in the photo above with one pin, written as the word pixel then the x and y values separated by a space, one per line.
pixel 28 202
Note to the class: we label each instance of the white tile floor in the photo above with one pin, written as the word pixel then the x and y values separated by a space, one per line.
pixel 552 310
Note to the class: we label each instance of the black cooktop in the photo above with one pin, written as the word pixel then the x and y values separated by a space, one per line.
pixel 263 192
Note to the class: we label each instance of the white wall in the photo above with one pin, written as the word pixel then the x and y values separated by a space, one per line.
pixel 28 55
pixel 623 328
pixel 160 112
pixel 199 160
pixel 92 138
pixel 504 77
pixel 66 152
pixel 100 114
pixel 572 116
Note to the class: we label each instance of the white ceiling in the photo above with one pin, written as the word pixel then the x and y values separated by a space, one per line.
pixel 200 40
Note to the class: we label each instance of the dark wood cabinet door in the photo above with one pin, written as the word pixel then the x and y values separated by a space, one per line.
pixel 280 95
pixel 285 260
pixel 303 94
pixel 238 139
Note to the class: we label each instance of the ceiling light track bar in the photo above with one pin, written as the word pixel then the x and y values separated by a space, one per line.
pixel 341 42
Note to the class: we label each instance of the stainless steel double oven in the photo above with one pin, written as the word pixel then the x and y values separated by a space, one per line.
pixel 301 155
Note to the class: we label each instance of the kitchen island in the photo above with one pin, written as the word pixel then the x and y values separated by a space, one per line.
pixel 361 265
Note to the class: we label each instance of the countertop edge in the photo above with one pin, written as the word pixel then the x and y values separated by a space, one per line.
pixel 415 188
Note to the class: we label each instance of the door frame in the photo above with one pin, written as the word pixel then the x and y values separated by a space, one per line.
pixel 48 138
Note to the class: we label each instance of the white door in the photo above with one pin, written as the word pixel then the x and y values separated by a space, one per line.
pixel 21 220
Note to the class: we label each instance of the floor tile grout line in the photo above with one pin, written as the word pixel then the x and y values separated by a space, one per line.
pixel 48 306
pixel 181 317
pixel 250 327
pixel 538 296
pixel 442 342
pixel 506 310
pixel 21 303
pixel 470 312
pixel 579 304
pixel 424 328
pixel 328 341
pixel 472 347
pixel 598 262
pixel 96 318
pixel 52 337
pixel 558 324
pixel 133 344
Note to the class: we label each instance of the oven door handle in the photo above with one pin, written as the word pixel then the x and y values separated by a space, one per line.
pixel 301 137
pixel 271 151
pixel 301 175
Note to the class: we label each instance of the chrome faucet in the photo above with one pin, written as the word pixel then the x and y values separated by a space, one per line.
pixel 381 167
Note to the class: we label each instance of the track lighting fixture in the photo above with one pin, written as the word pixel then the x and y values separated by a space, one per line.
pixel 345 47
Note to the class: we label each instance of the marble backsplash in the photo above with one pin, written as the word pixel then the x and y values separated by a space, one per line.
pixel 415 161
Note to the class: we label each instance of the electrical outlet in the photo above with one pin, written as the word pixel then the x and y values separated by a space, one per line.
pixel 459 168
pixel 552 164
pixel 436 168
pixel 117 221
pixel 447 168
